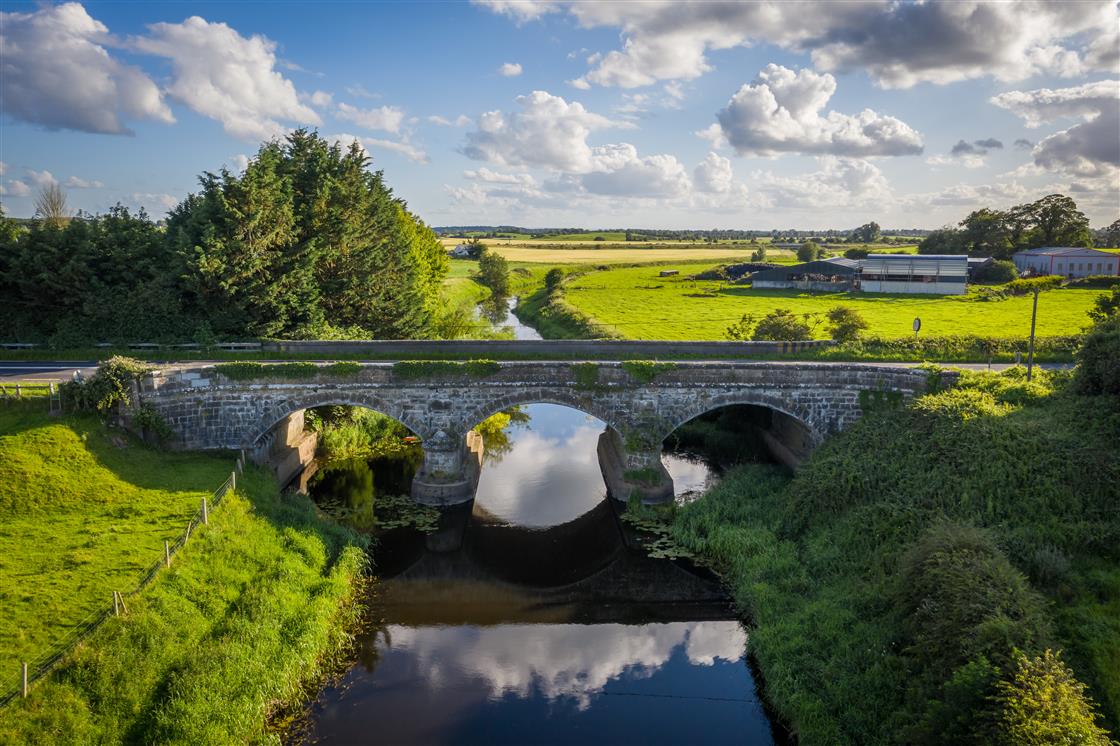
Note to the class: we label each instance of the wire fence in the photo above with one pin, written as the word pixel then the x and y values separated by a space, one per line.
pixel 29 672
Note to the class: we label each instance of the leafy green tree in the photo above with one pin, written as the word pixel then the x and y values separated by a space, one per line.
pixel 943 241
pixel 810 251
pixel 1056 221
pixel 986 234
pixel 866 233
pixel 493 270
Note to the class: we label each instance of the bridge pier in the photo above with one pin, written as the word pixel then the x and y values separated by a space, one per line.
pixel 449 474
pixel 633 471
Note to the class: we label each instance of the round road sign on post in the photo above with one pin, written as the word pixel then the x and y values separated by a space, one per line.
pixel 917 325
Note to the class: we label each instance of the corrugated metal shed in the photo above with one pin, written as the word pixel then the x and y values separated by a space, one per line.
pixel 915 273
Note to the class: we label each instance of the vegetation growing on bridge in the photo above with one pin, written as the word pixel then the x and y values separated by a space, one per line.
pixel 410 370
pixel 587 376
pixel 253 610
pixel 894 579
pixel 644 371
pixel 249 371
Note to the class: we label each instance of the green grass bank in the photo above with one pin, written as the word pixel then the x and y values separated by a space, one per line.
pixel 893 579
pixel 253 611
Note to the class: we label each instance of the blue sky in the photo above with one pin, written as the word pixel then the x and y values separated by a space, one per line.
pixel 743 115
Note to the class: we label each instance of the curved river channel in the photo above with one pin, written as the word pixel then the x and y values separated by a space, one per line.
pixel 528 617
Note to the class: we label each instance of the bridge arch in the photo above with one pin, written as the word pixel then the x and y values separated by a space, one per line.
pixel 280 410
pixel 783 405
pixel 522 396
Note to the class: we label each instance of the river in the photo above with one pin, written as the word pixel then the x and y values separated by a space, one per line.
pixel 500 316
pixel 538 622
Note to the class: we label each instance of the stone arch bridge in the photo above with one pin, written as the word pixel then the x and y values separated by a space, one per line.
pixel 799 404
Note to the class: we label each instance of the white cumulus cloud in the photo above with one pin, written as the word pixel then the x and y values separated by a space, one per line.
pixel 58 73
pixel 220 74
pixel 547 132
pixel 780 112
pixel 510 69
pixel 385 118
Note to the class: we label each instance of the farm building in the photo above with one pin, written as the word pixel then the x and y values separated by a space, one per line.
pixel 822 275
pixel 462 251
pixel 977 263
pixel 1067 261
pixel 939 274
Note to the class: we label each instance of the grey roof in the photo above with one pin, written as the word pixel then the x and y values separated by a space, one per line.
pixel 940 265
pixel 843 261
pixel 822 267
pixel 1062 251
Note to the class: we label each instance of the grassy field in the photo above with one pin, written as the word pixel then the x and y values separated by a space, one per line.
pixel 246 619
pixel 639 304
pixel 82 512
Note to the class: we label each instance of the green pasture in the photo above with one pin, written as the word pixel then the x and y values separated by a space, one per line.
pixel 640 304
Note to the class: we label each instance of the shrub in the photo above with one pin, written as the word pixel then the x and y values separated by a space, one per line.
pixel 857 253
pixel 845 324
pixel 1042 703
pixel 151 422
pixel 1095 281
pixel 1030 284
pixel 109 387
pixel 1098 360
pixel 586 375
pixel 783 326
pixel 998 272
pixel 553 279
pixel 1106 306
pixel 963 599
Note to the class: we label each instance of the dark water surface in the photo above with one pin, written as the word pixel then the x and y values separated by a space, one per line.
pixel 540 623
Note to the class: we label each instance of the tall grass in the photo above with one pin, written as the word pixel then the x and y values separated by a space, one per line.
pixel 816 561
pixel 249 616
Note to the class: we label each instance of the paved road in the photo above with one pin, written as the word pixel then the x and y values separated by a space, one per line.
pixel 63 370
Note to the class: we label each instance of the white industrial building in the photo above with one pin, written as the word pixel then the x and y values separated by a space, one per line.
pixel 1067 261
pixel 936 274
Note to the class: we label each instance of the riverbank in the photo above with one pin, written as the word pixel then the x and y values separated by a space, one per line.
pixel 251 614
pixel 891 580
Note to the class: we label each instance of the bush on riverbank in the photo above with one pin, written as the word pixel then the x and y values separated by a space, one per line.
pixel 253 611
pixel 893 579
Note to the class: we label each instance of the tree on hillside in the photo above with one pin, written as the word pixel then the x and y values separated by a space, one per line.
pixel 1053 220
pixel 1109 238
pixel 50 204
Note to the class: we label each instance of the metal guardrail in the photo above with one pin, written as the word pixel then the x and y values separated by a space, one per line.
pixel 32 671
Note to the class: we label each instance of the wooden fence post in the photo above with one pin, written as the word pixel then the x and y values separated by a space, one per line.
pixel 116 605
pixel 19 394
pixel 26 687
pixel 205 513
pixel 166 554
pixel 233 480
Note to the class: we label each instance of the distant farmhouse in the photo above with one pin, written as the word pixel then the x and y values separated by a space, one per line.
pixel 1066 261
pixel 462 251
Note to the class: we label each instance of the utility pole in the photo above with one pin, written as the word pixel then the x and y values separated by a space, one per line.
pixel 1030 348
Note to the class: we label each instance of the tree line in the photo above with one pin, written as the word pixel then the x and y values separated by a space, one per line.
pixel 1053 220
pixel 307 242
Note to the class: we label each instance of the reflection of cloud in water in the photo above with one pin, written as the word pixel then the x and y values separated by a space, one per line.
pixel 689 474
pixel 559 661
pixel 551 474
